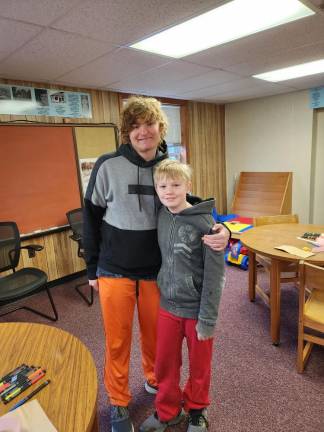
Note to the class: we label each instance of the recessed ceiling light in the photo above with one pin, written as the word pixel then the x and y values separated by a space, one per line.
pixel 297 71
pixel 226 23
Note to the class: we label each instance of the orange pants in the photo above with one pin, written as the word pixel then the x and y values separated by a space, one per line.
pixel 118 297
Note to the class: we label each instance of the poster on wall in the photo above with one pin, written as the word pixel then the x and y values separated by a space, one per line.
pixel 86 167
pixel 316 97
pixel 21 100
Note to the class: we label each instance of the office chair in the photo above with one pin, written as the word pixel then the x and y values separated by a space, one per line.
pixel 21 283
pixel 311 311
pixel 75 219
pixel 289 271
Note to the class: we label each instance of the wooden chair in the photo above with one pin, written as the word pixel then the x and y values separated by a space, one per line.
pixel 289 271
pixel 311 311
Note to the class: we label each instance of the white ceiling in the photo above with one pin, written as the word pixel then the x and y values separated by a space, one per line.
pixel 84 43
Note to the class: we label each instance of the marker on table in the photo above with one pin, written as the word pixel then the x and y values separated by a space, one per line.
pixel 21 378
pixel 24 386
pixel 25 399
pixel 35 373
pixel 13 373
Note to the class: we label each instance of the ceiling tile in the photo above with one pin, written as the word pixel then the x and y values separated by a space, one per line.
pixel 203 81
pixel 318 3
pixel 248 93
pixel 165 76
pixel 34 11
pixel 288 58
pixel 13 35
pixel 51 54
pixel 165 81
pixel 114 66
pixel 307 82
pixel 238 86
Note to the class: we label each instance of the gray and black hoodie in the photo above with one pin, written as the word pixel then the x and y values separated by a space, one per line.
pixel 120 215
pixel 191 278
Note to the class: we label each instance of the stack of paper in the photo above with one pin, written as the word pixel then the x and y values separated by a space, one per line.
pixel 29 417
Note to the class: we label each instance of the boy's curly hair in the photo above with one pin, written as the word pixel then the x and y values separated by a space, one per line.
pixel 145 108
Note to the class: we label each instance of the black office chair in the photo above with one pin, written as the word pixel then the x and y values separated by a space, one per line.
pixel 75 219
pixel 21 283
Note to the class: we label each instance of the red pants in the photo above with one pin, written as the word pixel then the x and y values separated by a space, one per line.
pixel 171 332
pixel 118 297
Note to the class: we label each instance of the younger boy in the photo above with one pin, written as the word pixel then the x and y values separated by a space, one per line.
pixel 190 280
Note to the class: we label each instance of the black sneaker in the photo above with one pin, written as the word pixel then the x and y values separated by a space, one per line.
pixel 119 419
pixel 198 420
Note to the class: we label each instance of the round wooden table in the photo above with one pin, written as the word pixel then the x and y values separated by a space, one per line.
pixel 262 240
pixel 70 400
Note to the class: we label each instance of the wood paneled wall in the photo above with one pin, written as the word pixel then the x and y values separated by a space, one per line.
pixel 58 258
pixel 207 151
pixel 203 135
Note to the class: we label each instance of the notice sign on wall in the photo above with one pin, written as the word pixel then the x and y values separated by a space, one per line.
pixel 316 97
pixel 21 100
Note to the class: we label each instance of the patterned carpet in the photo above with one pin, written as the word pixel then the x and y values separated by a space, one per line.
pixel 255 385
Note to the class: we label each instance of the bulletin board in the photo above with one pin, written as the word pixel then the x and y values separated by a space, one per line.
pixel 92 142
pixel 39 176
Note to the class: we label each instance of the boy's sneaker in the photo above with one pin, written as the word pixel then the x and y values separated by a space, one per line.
pixel 153 424
pixel 198 420
pixel 150 388
pixel 119 419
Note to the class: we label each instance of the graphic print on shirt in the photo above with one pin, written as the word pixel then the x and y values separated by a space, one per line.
pixel 189 238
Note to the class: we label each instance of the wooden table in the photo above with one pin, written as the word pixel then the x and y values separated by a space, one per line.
pixel 262 240
pixel 70 400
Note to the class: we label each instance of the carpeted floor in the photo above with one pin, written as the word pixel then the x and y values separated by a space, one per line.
pixel 255 385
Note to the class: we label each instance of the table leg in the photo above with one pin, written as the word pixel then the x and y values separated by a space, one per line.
pixel 275 301
pixel 252 275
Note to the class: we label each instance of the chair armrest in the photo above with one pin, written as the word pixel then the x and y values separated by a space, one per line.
pixel 32 249
pixel 78 238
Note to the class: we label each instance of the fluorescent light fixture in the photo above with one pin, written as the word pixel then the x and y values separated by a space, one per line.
pixel 297 71
pixel 226 23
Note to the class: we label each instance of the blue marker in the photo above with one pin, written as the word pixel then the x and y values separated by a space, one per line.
pixel 25 399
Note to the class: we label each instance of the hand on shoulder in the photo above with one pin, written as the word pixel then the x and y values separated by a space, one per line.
pixel 219 239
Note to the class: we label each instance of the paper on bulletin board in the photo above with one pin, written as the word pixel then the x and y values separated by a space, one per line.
pixel 86 167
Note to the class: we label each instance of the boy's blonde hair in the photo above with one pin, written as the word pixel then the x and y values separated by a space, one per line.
pixel 144 108
pixel 170 168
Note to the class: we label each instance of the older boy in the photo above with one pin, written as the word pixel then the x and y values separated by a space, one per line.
pixel 120 241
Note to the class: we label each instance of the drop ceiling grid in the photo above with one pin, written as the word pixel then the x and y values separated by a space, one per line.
pixel 76 42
